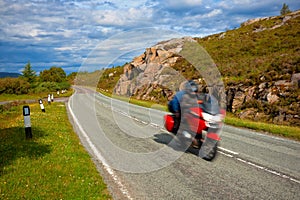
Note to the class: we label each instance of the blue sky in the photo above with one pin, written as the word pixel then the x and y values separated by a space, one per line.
pixel 97 34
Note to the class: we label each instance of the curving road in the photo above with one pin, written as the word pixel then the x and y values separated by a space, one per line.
pixel 136 157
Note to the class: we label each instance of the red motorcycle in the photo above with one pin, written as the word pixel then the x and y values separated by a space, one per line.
pixel 204 124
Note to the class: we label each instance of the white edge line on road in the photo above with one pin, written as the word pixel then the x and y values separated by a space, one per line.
pixel 99 156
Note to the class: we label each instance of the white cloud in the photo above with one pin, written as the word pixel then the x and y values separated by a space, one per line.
pixel 211 14
pixel 132 16
pixel 178 4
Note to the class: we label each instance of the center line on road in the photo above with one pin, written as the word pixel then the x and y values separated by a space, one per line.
pixel 234 155
pixel 268 170
pixel 228 151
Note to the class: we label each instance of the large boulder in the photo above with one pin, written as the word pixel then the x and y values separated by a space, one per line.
pixel 154 66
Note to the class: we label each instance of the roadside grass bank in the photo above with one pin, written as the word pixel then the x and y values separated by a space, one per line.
pixel 147 104
pixel 51 165
pixel 290 132
pixel 14 97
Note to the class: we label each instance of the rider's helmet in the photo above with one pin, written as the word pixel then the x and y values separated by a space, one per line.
pixel 191 86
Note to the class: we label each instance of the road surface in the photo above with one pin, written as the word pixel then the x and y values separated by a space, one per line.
pixel 135 156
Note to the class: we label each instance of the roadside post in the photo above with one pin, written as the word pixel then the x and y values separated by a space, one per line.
pixel 42 105
pixel 27 124
pixel 49 99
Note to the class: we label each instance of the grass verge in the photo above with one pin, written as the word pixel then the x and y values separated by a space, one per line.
pixel 51 165
pixel 280 130
pixel 147 104
pixel 15 97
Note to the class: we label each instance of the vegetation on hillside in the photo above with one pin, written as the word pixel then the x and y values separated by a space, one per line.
pixel 104 79
pixel 109 78
pixel 246 54
pixel 262 52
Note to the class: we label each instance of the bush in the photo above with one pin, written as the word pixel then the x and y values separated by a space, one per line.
pixel 51 87
pixel 11 106
pixel 64 85
pixel 14 86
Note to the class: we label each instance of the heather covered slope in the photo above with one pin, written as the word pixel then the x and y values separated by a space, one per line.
pixel 266 49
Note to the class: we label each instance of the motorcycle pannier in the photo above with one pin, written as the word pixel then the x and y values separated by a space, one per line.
pixel 169 122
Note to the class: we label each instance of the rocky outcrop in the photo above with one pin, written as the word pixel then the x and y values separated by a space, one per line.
pixel 277 102
pixel 152 72
pixel 284 20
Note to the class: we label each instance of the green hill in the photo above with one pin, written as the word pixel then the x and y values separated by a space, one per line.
pixel 8 74
pixel 268 47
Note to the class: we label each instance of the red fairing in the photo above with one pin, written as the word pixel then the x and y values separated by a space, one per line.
pixel 223 113
pixel 213 136
pixel 169 122
pixel 195 120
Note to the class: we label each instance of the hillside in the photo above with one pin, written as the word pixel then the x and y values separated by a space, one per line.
pixel 266 48
pixel 259 63
pixel 8 74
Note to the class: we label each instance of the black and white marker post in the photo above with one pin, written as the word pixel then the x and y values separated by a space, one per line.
pixel 49 99
pixel 26 114
pixel 42 105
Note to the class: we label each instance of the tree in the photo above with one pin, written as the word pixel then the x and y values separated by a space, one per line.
pixel 28 73
pixel 54 74
pixel 285 9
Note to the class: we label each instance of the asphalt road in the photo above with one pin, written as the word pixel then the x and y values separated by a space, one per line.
pixel 137 159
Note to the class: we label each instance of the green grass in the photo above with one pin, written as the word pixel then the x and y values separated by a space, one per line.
pixel 51 165
pixel 279 130
pixel 15 97
pixel 147 104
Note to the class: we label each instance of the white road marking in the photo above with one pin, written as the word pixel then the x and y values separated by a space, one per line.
pixel 225 154
pixel 234 156
pixel 268 170
pixel 227 150
pixel 99 156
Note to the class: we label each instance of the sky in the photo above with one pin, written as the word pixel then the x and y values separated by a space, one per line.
pixel 86 35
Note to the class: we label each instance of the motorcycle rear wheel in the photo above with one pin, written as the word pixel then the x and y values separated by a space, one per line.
pixel 208 150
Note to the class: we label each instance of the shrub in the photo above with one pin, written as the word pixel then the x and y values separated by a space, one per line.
pixel 14 86
pixel 51 87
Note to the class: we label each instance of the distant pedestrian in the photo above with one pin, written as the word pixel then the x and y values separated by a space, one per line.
pixel 57 92
pixel 52 98
pixel 49 99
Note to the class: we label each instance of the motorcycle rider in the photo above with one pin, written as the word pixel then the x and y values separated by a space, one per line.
pixel 182 101
pixel 190 99
pixel 174 106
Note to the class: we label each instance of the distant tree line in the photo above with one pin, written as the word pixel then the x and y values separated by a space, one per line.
pixel 49 80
